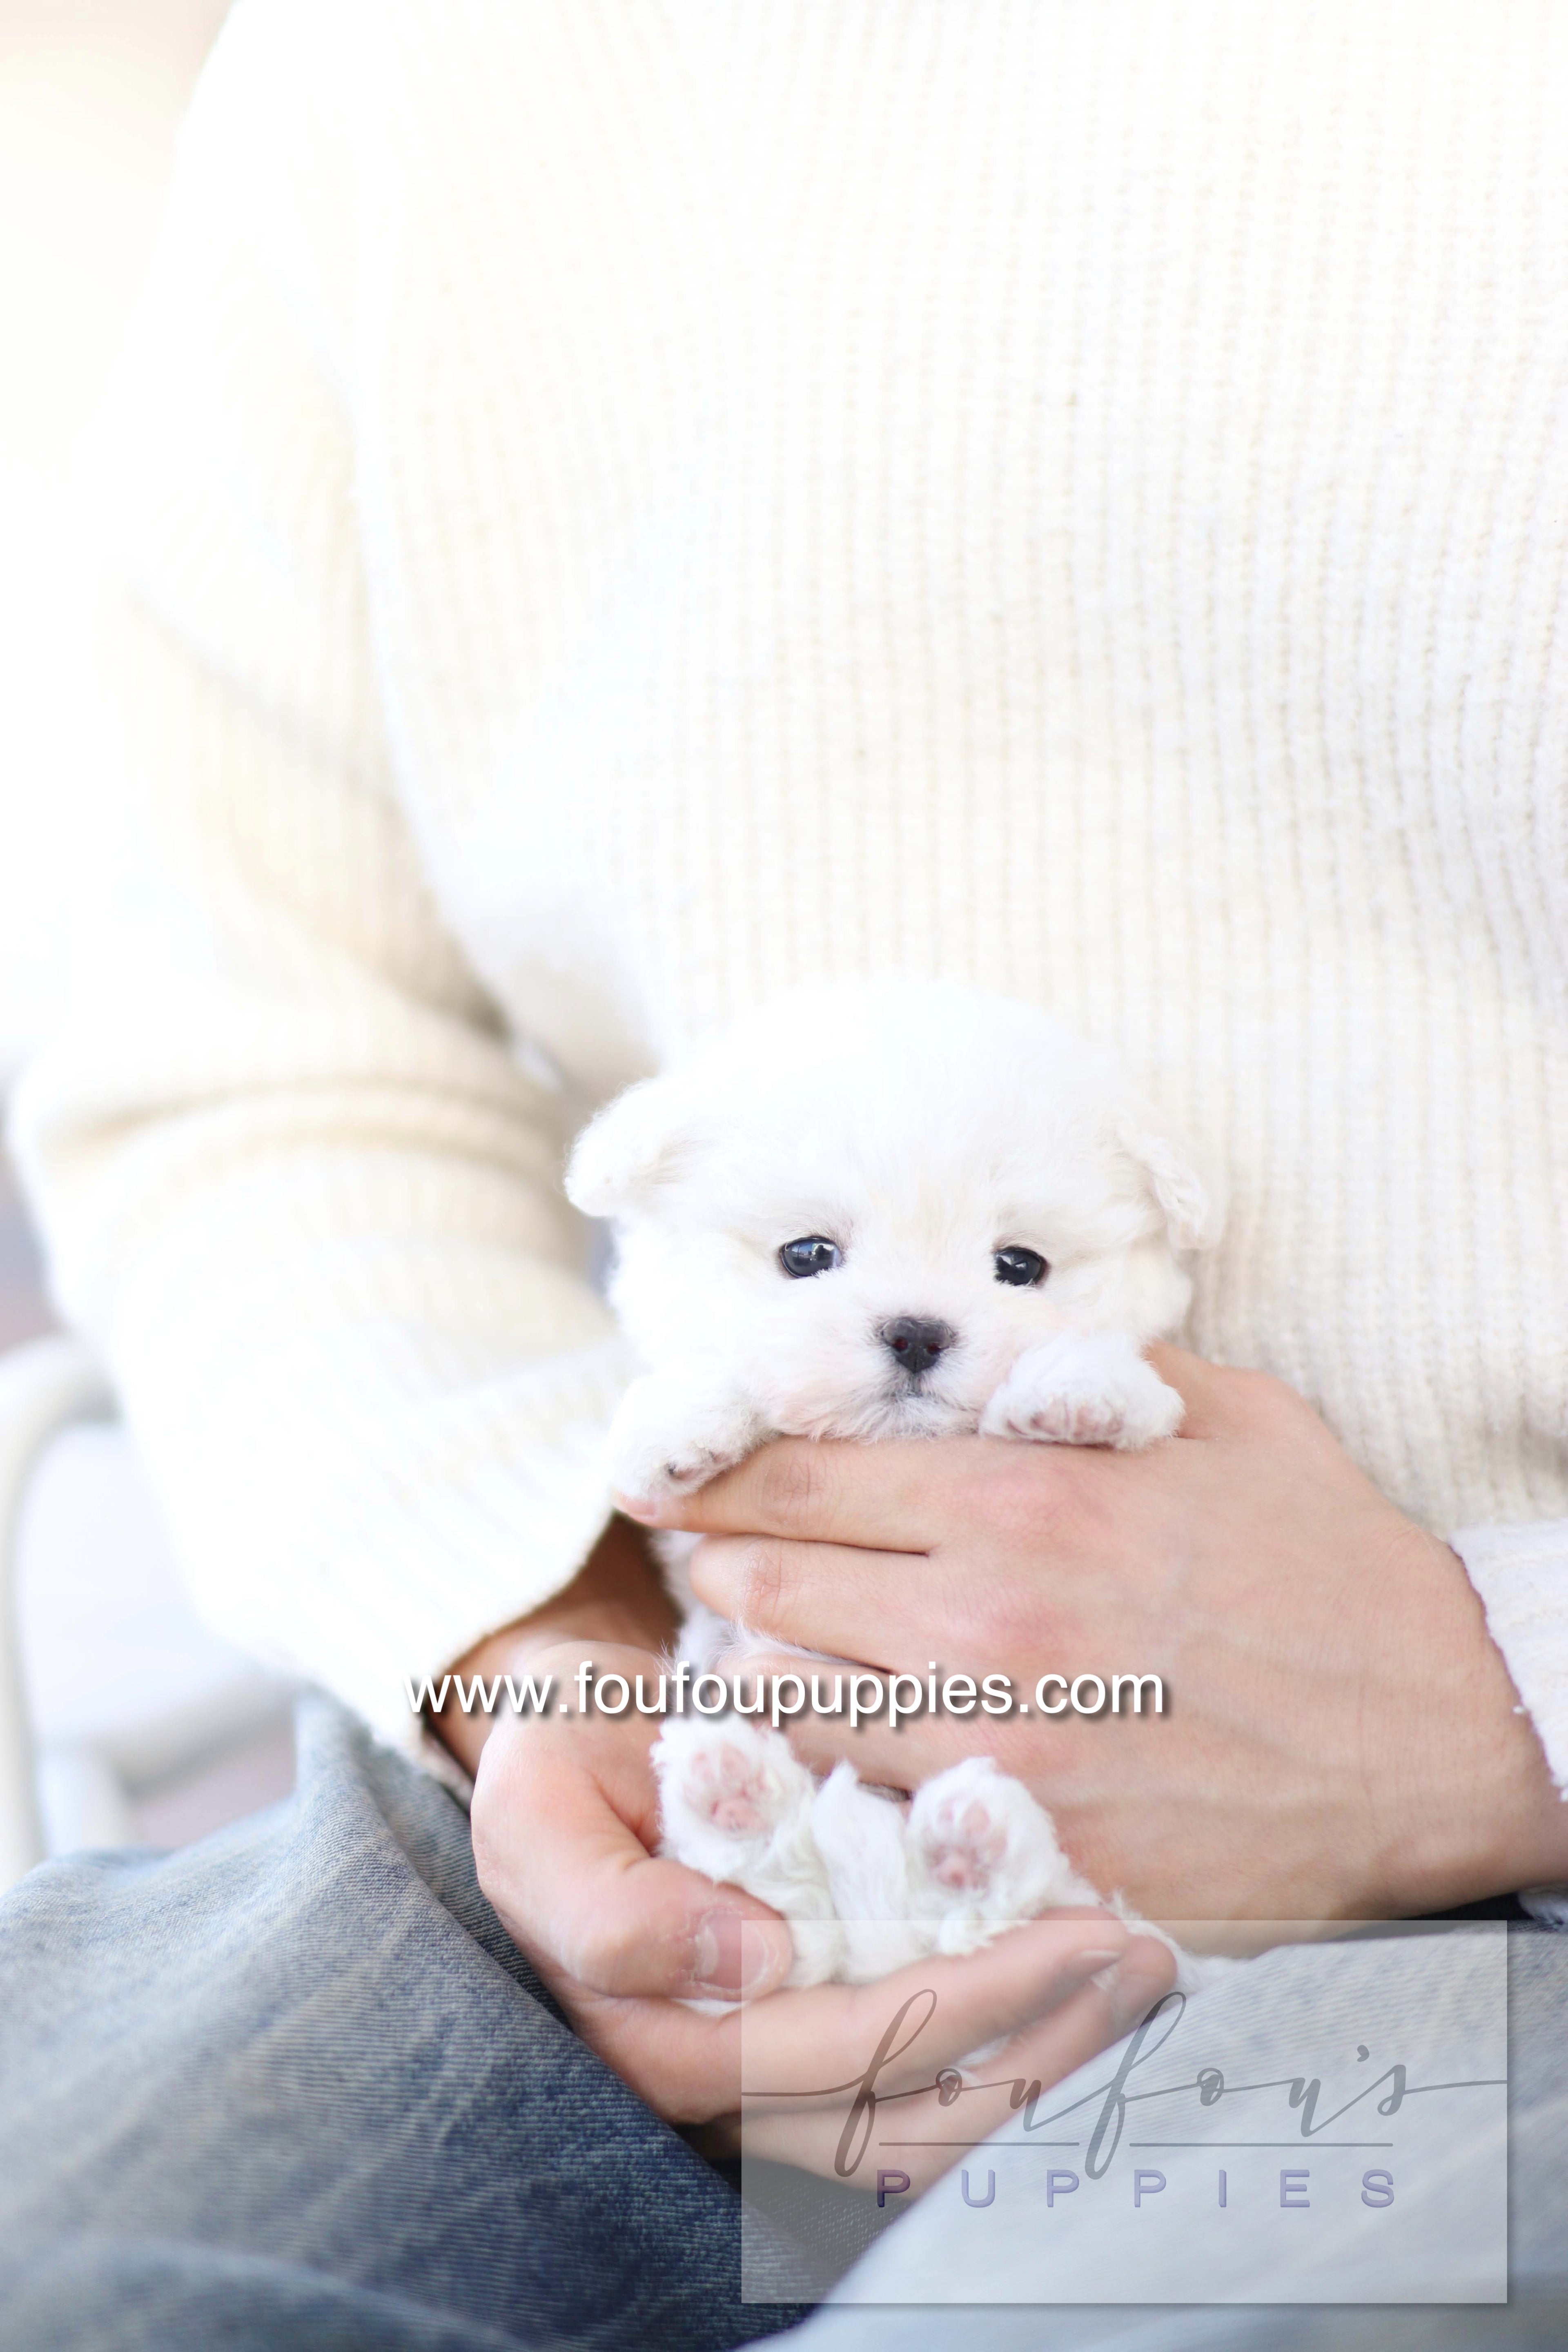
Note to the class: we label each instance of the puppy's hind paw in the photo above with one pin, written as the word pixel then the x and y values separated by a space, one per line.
pixel 729 1789
pixel 723 1786
pixel 983 1853
pixel 958 1834
pixel 965 1844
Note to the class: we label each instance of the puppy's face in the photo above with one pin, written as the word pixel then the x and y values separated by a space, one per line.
pixel 866 1205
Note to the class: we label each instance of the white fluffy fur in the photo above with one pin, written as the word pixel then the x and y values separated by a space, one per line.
pixel 922 1126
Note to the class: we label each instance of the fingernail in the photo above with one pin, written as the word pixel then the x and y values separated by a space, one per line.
pixel 733 1955
pixel 636 1506
pixel 1070 1977
pixel 1132 1996
pixel 1085 1965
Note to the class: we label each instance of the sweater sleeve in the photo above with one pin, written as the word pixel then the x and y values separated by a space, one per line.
pixel 1521 1576
pixel 295 1183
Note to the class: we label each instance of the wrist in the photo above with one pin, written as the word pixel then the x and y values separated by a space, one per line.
pixel 616 1600
pixel 1489 1818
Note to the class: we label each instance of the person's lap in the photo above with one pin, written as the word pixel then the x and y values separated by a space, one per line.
pixel 1395 1984
pixel 295 2087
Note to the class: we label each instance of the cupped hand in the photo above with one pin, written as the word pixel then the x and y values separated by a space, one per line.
pixel 565 1821
pixel 1340 1737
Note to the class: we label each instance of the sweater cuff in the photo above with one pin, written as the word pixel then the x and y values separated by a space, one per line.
pixel 1521 1576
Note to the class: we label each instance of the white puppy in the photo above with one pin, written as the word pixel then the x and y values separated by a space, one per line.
pixel 896 1209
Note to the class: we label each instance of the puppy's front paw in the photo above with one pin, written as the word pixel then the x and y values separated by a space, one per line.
pixel 1092 1389
pixel 670 1436
pixel 654 1473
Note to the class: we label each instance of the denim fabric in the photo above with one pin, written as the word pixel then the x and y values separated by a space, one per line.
pixel 1374 1984
pixel 295 2087
pixel 294 2090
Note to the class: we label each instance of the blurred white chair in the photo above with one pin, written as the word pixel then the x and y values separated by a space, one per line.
pixel 111 1689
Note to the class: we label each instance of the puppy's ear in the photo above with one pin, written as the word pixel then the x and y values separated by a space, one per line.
pixel 626 1149
pixel 1190 1197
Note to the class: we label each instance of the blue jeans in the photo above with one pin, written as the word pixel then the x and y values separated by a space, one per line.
pixel 294 2087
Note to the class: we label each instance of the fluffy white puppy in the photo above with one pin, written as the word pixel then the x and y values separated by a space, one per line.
pixel 895 1209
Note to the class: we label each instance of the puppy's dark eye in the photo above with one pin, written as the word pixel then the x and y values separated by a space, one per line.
pixel 1021 1266
pixel 813 1254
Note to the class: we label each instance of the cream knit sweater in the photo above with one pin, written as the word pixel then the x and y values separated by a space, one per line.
pixel 626 504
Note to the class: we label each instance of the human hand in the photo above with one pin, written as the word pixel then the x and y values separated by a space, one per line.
pixel 565 1819
pixel 565 1810
pixel 565 1815
pixel 1341 1738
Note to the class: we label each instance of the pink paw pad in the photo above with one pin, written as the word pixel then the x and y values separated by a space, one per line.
pixel 728 1789
pixel 964 1847
pixel 1078 1422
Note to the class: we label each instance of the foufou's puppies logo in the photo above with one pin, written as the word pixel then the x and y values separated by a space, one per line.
pixel 899 1208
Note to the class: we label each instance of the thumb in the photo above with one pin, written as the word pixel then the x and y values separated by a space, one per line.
pixel 559 1856
pixel 1205 1389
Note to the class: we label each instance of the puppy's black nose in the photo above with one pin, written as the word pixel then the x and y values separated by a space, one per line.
pixel 915 1344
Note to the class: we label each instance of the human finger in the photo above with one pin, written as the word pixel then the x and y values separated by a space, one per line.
pixel 885 1608
pixel 887 1497
pixel 929 2128
pixel 563 1826
pixel 688 2066
pixel 897 1724
pixel 888 1755
pixel 1213 1394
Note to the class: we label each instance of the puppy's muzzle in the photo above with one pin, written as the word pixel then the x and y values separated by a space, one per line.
pixel 915 1344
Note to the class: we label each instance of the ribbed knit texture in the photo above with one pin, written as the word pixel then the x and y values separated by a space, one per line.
pixel 628 506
